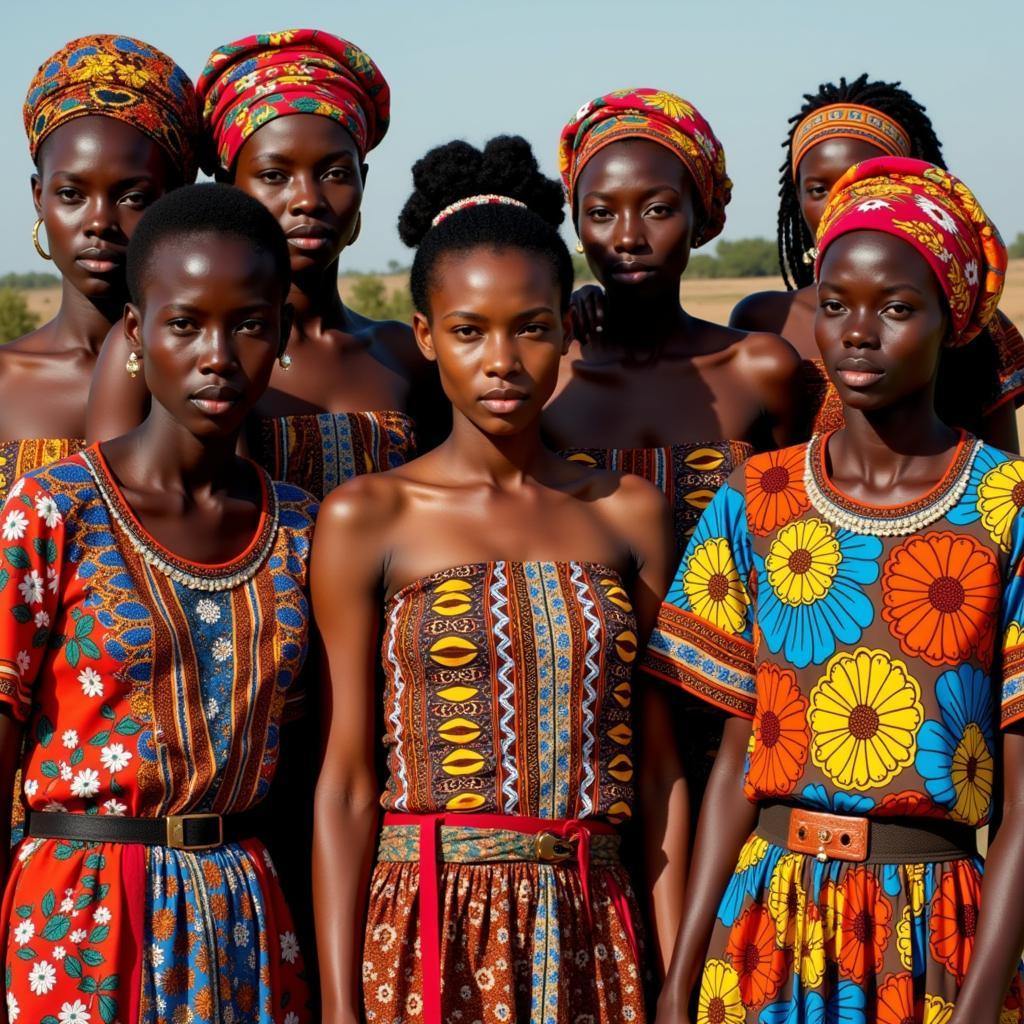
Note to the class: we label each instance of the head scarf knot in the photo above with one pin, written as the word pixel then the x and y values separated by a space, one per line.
pixel 661 117
pixel 938 215
pixel 247 83
pixel 122 78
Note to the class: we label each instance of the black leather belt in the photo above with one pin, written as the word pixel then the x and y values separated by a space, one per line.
pixel 175 831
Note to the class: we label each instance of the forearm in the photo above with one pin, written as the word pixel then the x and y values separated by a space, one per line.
pixel 1000 933
pixel 666 815
pixel 344 837
pixel 727 819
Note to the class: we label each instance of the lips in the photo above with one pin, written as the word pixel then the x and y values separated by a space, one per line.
pixel 631 271
pixel 216 399
pixel 503 400
pixel 310 237
pixel 858 373
pixel 97 260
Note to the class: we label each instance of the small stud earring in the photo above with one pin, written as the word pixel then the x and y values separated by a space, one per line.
pixel 811 255
pixel 35 240
pixel 284 360
pixel 579 247
pixel 133 365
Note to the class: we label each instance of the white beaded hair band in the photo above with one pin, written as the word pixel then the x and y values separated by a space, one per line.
pixel 482 200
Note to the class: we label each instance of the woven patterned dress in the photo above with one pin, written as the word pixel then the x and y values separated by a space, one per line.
pixel 319 451
pixel 148 686
pixel 508 693
pixel 878 651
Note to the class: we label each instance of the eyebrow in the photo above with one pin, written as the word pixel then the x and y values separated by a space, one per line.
pixel 465 315
pixel 77 179
pixel 284 158
pixel 650 192
pixel 185 308
pixel 888 290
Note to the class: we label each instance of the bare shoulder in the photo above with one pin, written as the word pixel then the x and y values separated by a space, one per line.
pixel 634 504
pixel 767 358
pixel 762 311
pixel 392 338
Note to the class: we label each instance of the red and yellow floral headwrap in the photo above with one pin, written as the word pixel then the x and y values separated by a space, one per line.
pixel 661 117
pixel 119 77
pixel 247 83
pixel 849 121
pixel 938 215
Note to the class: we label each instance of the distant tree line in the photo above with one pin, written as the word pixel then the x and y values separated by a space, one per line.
pixel 31 280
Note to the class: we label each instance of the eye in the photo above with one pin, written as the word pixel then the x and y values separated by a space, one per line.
pixel 660 210
pixel 181 325
pixel 67 194
pixel 252 326
pixel 338 174
pixel 898 310
pixel 271 177
pixel 817 191
pixel 831 306
pixel 466 332
pixel 533 328
pixel 137 200
pixel 599 213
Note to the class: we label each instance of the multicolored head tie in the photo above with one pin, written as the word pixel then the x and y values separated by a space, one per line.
pixel 249 82
pixel 122 78
pixel 849 121
pixel 935 213
pixel 661 117
pixel 482 200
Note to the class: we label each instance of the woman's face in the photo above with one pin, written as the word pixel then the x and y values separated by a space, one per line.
pixel 497 332
pixel 636 217
pixel 882 320
pixel 305 169
pixel 96 177
pixel 821 167
pixel 211 321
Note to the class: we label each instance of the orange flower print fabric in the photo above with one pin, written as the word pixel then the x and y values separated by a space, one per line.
pixel 878 652
pixel 131 687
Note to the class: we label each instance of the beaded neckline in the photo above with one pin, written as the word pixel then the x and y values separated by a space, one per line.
pixel 194 575
pixel 886 520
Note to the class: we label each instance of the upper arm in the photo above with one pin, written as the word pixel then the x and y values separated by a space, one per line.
pixel 117 403
pixel 757 312
pixel 346 570
pixel 774 367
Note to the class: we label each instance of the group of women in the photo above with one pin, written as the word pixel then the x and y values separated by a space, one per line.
pixel 595 662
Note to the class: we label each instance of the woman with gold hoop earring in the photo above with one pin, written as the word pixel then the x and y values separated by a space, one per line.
pixel 85 214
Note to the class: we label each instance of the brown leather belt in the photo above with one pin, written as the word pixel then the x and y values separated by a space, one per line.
pixel 828 836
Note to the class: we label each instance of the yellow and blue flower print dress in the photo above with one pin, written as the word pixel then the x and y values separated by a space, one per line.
pixel 878 651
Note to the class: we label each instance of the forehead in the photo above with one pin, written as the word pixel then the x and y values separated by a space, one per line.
pixel 299 137
pixel 502 279
pixel 877 257
pixel 832 158
pixel 99 145
pixel 632 162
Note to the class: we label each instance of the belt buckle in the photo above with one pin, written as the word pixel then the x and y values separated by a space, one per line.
pixel 176 831
pixel 551 848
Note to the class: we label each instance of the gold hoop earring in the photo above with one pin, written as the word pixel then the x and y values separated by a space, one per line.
pixel 133 365
pixel 284 361
pixel 579 247
pixel 35 240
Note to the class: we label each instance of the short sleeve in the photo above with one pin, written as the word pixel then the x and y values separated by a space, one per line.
pixel 31 552
pixel 703 640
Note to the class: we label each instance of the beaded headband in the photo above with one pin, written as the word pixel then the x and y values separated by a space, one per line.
pixel 849 121
pixel 481 200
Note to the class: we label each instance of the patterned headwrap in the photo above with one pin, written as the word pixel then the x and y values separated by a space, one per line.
pixel 661 117
pixel 935 213
pixel 247 83
pixel 119 77
pixel 849 121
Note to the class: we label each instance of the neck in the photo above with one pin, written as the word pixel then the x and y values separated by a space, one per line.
pixel 892 437
pixel 316 302
pixel 647 322
pixel 500 461
pixel 83 322
pixel 169 457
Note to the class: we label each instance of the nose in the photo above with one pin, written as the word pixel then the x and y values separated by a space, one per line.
pixel 861 330
pixel 307 194
pixel 217 354
pixel 629 232
pixel 100 217
pixel 501 355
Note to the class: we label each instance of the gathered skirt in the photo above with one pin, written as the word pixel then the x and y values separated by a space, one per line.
pixel 802 942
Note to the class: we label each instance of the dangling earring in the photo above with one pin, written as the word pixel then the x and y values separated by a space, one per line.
pixel 133 365
pixel 284 361
pixel 35 240
pixel 579 247
pixel 811 255
pixel 355 231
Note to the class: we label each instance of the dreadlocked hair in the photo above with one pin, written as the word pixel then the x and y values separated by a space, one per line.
pixel 794 236
pixel 505 166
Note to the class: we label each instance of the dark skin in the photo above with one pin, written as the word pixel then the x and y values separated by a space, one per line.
pixel 95 178
pixel 491 491
pixel 669 377
pixel 792 313
pixel 211 324
pixel 306 169
pixel 881 324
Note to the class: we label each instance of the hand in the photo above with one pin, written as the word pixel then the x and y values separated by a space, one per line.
pixel 588 308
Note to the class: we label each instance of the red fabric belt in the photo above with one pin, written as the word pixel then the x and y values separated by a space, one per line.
pixel 559 840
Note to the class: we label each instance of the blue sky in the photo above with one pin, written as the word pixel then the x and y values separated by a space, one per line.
pixel 474 69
